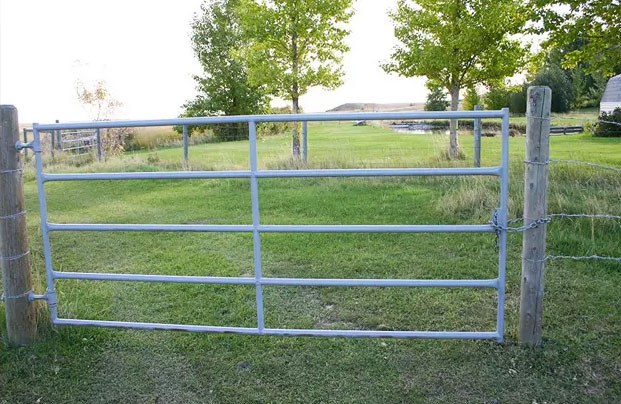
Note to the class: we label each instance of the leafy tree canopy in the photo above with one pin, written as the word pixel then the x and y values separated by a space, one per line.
pixel 594 23
pixel 458 43
pixel 224 88
pixel 294 44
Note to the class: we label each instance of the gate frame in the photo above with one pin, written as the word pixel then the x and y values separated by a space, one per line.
pixel 256 228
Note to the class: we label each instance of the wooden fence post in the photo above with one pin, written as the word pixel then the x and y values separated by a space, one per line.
pixel 14 250
pixel 535 203
pixel 185 147
pixel 305 141
pixel 98 139
pixel 477 139
pixel 59 140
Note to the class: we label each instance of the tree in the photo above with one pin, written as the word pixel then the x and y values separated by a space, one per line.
pixel 471 99
pixel 561 86
pixel 458 43
pixel 583 89
pixel 100 105
pixel 224 88
pixel 595 23
pixel 436 99
pixel 96 99
pixel 294 45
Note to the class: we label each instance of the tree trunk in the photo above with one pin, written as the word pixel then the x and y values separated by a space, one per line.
pixel 295 93
pixel 454 142
pixel 296 136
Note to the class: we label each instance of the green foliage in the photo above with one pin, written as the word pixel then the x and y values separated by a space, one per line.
pixel 595 23
pixel 517 100
pixel 471 99
pixel 562 90
pixel 224 87
pixel 497 97
pixel 582 87
pixel 436 99
pixel 293 45
pixel 458 43
pixel 605 129
pixel 512 97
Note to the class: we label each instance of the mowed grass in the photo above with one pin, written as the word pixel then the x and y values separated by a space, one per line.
pixel 579 361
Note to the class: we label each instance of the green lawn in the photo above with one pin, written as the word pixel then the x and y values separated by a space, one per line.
pixel 578 363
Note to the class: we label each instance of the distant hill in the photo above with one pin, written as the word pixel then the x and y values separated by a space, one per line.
pixel 374 107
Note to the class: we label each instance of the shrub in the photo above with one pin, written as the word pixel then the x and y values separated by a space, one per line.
pixel 561 86
pixel 603 129
pixel 436 99
pixel 471 99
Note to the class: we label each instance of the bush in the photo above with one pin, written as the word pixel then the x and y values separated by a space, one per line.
pixel 497 98
pixel 436 99
pixel 471 99
pixel 603 129
pixel 562 88
pixel 513 97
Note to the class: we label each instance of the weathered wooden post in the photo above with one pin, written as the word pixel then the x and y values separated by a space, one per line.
pixel 535 203
pixel 25 141
pixel 14 250
pixel 98 138
pixel 477 139
pixel 185 146
pixel 59 142
pixel 305 141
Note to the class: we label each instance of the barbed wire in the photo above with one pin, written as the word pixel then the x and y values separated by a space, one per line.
pixel 580 258
pixel 547 219
pixel 558 161
pixel 550 216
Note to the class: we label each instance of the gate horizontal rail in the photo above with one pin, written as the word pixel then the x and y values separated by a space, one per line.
pixel 281 331
pixel 408 283
pixel 301 228
pixel 371 172
pixel 256 228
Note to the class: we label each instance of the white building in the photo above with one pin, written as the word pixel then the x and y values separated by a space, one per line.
pixel 612 96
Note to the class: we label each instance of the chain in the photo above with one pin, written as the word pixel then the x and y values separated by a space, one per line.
pixel 535 223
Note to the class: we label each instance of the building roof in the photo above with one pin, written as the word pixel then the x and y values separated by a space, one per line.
pixel 613 90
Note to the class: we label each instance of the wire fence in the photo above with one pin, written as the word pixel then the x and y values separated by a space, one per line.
pixel 562 215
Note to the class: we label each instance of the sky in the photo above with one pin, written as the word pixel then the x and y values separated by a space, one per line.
pixel 142 50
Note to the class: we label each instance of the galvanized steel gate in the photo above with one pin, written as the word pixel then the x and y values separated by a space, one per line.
pixel 256 228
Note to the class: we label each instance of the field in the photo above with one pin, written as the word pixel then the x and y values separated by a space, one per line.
pixel 579 362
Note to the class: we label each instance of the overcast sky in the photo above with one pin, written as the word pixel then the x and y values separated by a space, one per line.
pixel 141 48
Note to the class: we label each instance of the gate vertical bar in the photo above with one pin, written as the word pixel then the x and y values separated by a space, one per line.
pixel 47 251
pixel 185 146
pixel 305 141
pixel 256 236
pixel 52 142
pixel 502 233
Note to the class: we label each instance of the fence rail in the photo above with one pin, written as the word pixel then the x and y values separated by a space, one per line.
pixel 256 228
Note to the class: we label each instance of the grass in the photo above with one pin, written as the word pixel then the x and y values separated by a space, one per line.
pixel 578 363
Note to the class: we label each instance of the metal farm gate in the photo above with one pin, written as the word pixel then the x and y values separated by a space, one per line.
pixel 256 228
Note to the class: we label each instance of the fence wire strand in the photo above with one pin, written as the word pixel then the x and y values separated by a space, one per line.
pixel 547 219
pixel 557 161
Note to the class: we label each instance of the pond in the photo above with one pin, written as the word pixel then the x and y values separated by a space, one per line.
pixel 418 128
